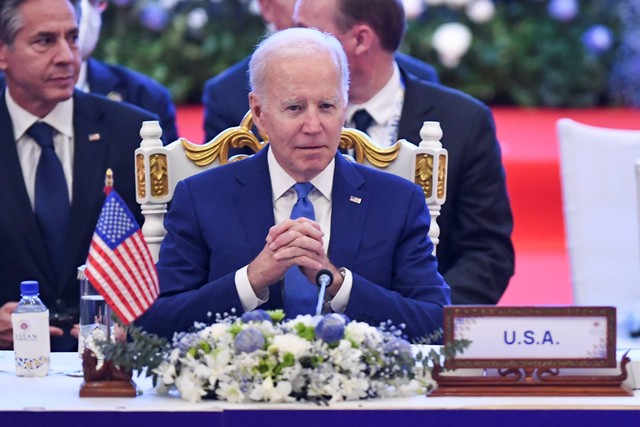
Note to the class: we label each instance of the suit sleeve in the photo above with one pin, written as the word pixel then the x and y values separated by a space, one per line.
pixel 186 292
pixel 417 292
pixel 479 250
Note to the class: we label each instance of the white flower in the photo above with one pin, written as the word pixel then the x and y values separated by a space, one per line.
pixel 292 344
pixel 215 332
pixel 190 388
pixel 355 388
pixel 358 332
pixel 481 11
pixel 230 391
pixel 451 41
pixel 266 391
pixel 197 18
pixel 413 8
pixel 167 372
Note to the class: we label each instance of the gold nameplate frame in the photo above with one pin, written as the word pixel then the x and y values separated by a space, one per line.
pixel 521 350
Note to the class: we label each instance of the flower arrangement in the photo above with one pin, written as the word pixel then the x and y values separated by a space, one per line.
pixel 261 357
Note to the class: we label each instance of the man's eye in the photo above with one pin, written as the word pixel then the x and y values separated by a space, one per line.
pixel 293 108
pixel 43 41
pixel 326 105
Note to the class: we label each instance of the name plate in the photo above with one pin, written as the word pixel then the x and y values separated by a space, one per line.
pixel 532 337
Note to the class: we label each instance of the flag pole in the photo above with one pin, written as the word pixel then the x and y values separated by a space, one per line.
pixel 108 186
pixel 108 181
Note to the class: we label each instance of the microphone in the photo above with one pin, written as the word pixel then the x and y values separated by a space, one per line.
pixel 324 279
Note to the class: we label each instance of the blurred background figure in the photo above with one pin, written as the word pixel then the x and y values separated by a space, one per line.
pixel 475 254
pixel 116 82
pixel 225 96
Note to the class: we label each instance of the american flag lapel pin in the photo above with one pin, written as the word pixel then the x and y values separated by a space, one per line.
pixel 355 199
pixel 94 137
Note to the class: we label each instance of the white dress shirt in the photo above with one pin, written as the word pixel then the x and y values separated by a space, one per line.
pixel 385 107
pixel 61 119
pixel 284 197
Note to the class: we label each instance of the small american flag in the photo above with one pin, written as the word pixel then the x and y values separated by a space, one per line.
pixel 119 264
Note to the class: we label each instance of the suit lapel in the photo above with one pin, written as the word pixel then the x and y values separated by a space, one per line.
pixel 416 106
pixel 89 162
pixel 17 211
pixel 349 210
pixel 253 201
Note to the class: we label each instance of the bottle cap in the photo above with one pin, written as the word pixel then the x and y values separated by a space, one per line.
pixel 29 287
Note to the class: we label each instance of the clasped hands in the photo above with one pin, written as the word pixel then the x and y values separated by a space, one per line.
pixel 294 242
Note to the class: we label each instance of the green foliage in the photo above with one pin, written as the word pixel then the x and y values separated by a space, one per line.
pixel 521 56
pixel 178 56
pixel 143 350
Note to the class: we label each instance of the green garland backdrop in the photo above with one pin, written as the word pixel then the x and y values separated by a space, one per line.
pixel 552 53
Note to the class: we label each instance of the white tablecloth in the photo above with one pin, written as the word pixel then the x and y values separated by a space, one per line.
pixel 59 391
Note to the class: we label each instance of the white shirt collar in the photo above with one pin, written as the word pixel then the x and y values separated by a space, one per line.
pixel 281 181
pixel 379 106
pixel 60 118
pixel 83 78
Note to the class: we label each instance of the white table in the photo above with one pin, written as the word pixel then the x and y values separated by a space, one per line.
pixel 54 399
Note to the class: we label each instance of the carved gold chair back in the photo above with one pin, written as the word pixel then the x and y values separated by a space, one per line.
pixel 159 168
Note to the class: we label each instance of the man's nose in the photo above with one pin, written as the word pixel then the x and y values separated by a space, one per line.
pixel 312 121
pixel 65 51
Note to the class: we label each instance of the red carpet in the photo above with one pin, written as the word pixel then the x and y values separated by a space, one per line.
pixel 530 152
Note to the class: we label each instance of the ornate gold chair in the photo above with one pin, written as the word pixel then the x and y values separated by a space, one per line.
pixel 159 168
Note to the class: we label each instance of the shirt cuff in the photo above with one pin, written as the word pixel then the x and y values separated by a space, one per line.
pixel 341 299
pixel 248 298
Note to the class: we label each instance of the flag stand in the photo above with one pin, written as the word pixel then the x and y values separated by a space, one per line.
pixel 107 381
pixel 121 268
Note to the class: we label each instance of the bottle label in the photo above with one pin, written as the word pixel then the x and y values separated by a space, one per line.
pixel 31 343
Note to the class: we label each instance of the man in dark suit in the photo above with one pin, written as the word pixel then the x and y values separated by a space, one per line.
pixel 224 96
pixel 89 133
pixel 475 254
pixel 369 228
pixel 116 82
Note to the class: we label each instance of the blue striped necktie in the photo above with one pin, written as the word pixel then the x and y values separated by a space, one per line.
pixel 300 296
pixel 51 195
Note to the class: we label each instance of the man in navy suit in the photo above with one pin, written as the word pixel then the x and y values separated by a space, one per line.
pixel 40 58
pixel 370 228
pixel 475 254
pixel 224 96
pixel 116 82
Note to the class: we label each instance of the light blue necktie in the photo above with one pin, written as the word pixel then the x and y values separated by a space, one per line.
pixel 300 296
pixel 51 195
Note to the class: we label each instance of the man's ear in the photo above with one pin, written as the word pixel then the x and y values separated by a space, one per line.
pixel 4 51
pixel 256 110
pixel 363 37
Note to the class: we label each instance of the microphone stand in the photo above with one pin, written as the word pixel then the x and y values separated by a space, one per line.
pixel 324 279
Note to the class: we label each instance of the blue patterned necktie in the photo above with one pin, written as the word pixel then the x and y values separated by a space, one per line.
pixel 300 296
pixel 51 195
pixel 362 119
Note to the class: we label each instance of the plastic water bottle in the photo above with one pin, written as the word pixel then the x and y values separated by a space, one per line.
pixel 31 333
